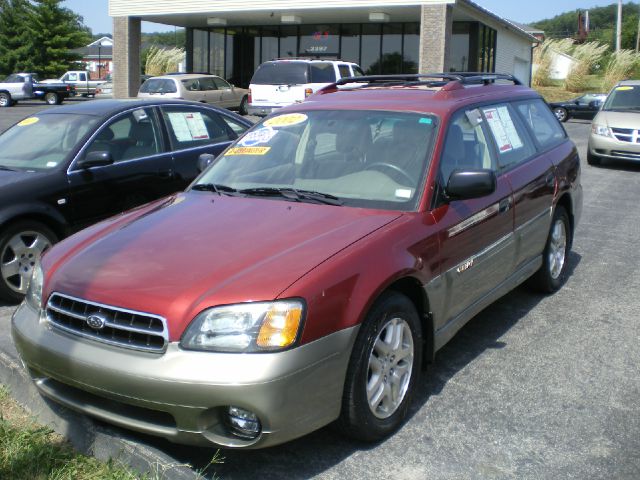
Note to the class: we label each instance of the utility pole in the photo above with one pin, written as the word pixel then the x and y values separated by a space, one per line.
pixel 638 35
pixel 619 29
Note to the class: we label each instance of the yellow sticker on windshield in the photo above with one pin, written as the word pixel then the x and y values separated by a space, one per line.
pixel 624 88
pixel 28 121
pixel 286 120
pixel 247 151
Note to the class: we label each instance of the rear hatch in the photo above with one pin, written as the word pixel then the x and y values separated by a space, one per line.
pixel 279 83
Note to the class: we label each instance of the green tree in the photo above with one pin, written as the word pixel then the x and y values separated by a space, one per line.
pixel 15 36
pixel 55 32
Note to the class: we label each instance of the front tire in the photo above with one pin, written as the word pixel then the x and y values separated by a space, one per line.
pixel 51 98
pixel 561 114
pixel 383 370
pixel 592 159
pixel 21 246
pixel 553 271
pixel 5 100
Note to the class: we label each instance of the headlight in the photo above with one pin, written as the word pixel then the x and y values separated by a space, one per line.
pixel 246 327
pixel 34 292
pixel 602 130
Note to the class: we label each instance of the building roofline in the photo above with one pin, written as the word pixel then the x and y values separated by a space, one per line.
pixel 509 24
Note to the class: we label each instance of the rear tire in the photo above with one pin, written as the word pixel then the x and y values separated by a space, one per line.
pixel 51 98
pixel 5 100
pixel 244 104
pixel 553 271
pixel 383 370
pixel 21 245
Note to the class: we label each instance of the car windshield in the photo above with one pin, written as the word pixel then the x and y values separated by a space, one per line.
pixel 371 159
pixel 281 73
pixel 43 142
pixel 623 97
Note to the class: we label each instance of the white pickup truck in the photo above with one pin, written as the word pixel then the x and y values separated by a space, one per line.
pixel 25 86
pixel 81 80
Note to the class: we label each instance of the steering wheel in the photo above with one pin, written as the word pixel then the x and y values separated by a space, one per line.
pixel 390 166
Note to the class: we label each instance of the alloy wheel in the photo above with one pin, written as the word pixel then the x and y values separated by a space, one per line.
pixel 19 256
pixel 557 248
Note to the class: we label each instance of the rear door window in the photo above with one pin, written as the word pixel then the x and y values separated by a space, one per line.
pixel 344 71
pixel 510 139
pixel 541 122
pixel 191 127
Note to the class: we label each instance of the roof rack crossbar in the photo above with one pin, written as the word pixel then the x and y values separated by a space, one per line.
pixel 465 78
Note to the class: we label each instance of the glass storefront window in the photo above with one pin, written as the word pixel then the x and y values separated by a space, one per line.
pixel 228 55
pixel 391 60
pixel 350 43
pixel 288 41
pixel 200 50
pixel 216 52
pixel 370 54
pixel 411 50
pixel 269 43
pixel 319 40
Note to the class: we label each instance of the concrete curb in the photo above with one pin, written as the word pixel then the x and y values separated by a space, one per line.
pixel 84 434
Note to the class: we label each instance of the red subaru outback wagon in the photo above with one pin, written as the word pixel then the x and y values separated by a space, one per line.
pixel 311 271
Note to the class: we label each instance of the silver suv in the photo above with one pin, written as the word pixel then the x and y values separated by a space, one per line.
pixel 279 83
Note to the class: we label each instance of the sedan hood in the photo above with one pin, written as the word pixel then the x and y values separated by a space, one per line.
pixel 199 250
pixel 618 119
pixel 8 177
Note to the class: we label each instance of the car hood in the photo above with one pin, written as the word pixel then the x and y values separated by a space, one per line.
pixel 618 119
pixel 9 177
pixel 198 250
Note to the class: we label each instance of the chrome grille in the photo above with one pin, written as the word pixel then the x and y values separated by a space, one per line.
pixel 626 135
pixel 121 327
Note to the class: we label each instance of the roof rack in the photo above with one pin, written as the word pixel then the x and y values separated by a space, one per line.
pixel 429 79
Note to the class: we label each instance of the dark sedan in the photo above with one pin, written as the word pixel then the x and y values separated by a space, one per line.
pixel 68 167
pixel 586 106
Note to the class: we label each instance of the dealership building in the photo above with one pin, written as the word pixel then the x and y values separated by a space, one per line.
pixel 231 38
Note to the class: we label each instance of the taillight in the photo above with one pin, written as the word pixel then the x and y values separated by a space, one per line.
pixel 68 88
pixel 249 96
pixel 308 92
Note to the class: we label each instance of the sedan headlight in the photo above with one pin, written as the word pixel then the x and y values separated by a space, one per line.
pixel 601 130
pixel 246 327
pixel 34 291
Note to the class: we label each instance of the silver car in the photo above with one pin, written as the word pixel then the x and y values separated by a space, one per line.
pixel 198 88
pixel 615 131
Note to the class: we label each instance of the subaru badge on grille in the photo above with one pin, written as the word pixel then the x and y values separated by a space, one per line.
pixel 97 321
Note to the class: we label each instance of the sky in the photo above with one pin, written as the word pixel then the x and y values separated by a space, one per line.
pixel 96 17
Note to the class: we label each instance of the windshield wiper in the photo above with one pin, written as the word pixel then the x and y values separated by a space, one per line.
pixel 294 194
pixel 214 187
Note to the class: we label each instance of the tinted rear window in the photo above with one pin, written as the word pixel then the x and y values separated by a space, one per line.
pixel 281 73
pixel 322 73
pixel 158 85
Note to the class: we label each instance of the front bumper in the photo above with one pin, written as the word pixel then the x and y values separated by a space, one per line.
pixel 607 147
pixel 183 395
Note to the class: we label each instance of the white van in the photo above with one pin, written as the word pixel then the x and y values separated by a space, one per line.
pixel 279 83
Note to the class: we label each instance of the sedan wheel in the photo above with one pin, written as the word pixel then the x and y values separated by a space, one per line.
pixel 561 114
pixel 5 100
pixel 383 369
pixel 20 250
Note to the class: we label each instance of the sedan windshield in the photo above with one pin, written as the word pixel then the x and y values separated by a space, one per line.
pixel 43 142
pixel 373 159
pixel 623 97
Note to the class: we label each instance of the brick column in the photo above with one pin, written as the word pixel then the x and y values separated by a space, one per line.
pixel 126 56
pixel 436 25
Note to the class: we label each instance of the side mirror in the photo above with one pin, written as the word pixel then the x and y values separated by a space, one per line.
pixel 465 184
pixel 95 159
pixel 204 161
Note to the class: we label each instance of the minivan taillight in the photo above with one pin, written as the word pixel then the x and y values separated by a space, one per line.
pixel 249 96
pixel 308 92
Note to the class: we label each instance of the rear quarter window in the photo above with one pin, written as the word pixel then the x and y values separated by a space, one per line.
pixel 322 73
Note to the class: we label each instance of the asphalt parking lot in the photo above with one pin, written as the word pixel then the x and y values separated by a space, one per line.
pixel 540 387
